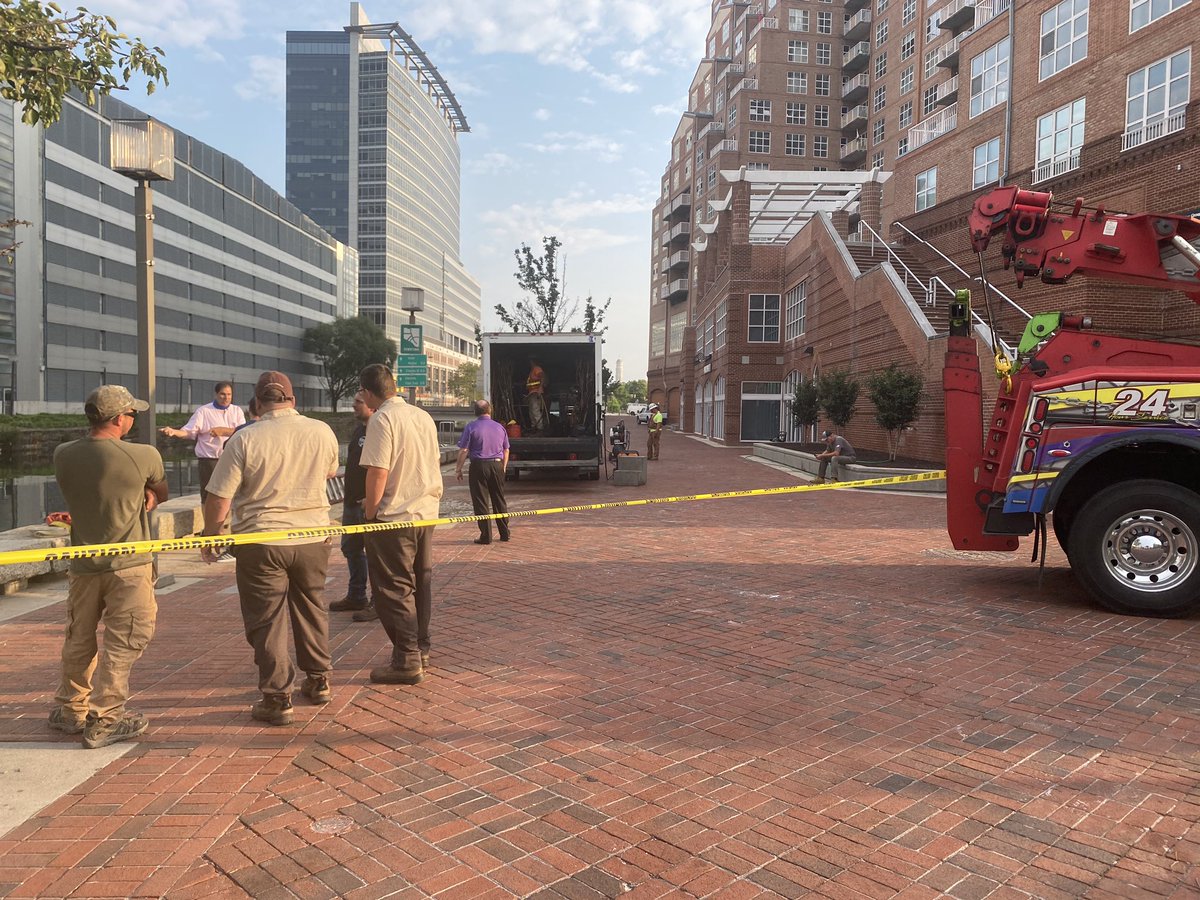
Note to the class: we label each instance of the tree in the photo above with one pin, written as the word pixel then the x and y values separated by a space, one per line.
pixel 45 53
pixel 837 393
pixel 806 404
pixel 464 382
pixel 344 347
pixel 607 384
pixel 896 394
pixel 546 310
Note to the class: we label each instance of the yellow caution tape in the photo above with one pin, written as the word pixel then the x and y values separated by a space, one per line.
pixel 91 551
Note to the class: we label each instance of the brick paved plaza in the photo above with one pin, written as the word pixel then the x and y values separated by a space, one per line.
pixel 735 698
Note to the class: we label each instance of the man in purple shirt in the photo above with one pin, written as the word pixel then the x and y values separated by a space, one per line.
pixel 485 442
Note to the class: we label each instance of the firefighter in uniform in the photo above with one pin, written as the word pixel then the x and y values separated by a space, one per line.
pixel 655 424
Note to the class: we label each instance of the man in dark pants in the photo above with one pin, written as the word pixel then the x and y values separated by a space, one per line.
pixel 404 484
pixel 353 547
pixel 485 442
pixel 838 453
pixel 273 475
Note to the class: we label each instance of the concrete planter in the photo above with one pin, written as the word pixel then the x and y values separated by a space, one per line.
pixel 809 464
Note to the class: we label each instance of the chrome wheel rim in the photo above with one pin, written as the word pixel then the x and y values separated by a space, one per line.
pixel 1150 550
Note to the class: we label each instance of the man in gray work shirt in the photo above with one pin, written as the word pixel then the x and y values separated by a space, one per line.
pixel 838 452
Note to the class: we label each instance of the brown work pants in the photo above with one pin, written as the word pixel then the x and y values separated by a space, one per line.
pixel 204 472
pixel 652 444
pixel 124 601
pixel 486 479
pixel 400 564
pixel 277 583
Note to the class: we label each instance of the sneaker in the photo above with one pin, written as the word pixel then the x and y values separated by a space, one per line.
pixel 347 604
pixel 274 709
pixel 226 556
pixel 98 734
pixel 388 675
pixel 366 614
pixel 62 720
pixel 316 689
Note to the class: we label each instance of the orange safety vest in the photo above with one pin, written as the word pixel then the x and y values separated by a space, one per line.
pixel 533 383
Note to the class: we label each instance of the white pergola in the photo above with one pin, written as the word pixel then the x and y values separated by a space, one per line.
pixel 782 202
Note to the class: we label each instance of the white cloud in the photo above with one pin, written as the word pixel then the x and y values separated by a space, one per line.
pixel 670 109
pixel 180 23
pixel 267 81
pixel 541 114
pixel 601 148
pixel 584 223
pixel 637 61
pixel 491 163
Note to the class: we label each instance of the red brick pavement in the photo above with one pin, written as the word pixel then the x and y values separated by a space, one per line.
pixel 736 698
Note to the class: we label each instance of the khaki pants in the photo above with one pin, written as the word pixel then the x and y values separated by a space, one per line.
pixel 124 601
pixel 400 564
pixel 275 584
pixel 652 444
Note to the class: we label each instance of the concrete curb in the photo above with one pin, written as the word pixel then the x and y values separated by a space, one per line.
pixel 809 464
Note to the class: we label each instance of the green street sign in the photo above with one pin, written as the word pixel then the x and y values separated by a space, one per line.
pixel 412 370
pixel 411 339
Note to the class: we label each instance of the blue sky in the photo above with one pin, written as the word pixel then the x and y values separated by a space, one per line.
pixel 572 104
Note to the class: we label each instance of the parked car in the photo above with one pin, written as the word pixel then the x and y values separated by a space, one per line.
pixel 643 418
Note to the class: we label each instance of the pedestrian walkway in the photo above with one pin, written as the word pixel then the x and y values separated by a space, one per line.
pixel 768 696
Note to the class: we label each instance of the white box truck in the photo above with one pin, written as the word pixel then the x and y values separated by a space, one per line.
pixel 567 435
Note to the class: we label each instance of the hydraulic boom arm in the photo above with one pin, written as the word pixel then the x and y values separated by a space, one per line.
pixel 1152 249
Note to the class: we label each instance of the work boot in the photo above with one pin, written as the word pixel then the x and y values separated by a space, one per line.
pixel 424 659
pixel 98 734
pixel 274 709
pixel 316 688
pixel 61 719
pixel 367 614
pixel 348 603
pixel 388 675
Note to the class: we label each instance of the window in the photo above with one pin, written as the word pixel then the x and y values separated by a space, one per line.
pixel 926 189
pixel 932 29
pixel 906 80
pixel 760 110
pixel 797 52
pixel 908 46
pixel 821 85
pixel 796 113
pixel 793 144
pixel 658 338
pixel 678 323
pixel 879 101
pixel 1059 138
pixel 797 82
pixel 725 32
pixel 931 62
pixel 797 20
pixel 824 54
pixel 901 147
pixel 881 6
pixel 1143 12
pixel 881 65
pixel 760 142
pixel 721 325
pixel 906 114
pixel 986 168
pixel 989 77
pixel 757 166
pixel 820 146
pixel 909 12
pixel 824 23
pixel 929 100
pixel 1157 98
pixel 877 160
pixel 763 320
pixel 1064 37
pixel 793 321
pixel 737 44
pixel 878 132
pixel 821 115
pixel 881 33
pixel 732 114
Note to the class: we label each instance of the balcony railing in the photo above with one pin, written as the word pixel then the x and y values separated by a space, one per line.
pixel 678 286
pixel 947 54
pixel 1152 131
pixel 935 126
pixel 769 22
pixel 854 150
pixel 956 14
pixel 855 88
pixel 681 258
pixel 683 201
pixel 728 145
pixel 1055 167
pixel 855 58
pixel 853 6
pixel 712 129
pixel 683 229
pixel 746 84
pixel 856 117
pixel 857 25
pixel 947 91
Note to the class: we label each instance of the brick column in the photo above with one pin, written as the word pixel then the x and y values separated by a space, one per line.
pixel 841 223
pixel 870 205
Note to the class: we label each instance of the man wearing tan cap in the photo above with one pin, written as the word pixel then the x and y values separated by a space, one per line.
pixel 109 486
pixel 273 475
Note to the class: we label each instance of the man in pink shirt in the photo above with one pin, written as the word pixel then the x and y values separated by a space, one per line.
pixel 210 426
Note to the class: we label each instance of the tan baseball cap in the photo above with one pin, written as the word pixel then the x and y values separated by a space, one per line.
pixel 110 400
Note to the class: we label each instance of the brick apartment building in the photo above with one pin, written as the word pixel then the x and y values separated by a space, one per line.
pixel 769 268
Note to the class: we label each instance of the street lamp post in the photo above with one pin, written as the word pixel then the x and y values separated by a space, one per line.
pixel 144 150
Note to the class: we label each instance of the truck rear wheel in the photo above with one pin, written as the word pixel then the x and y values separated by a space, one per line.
pixel 1134 546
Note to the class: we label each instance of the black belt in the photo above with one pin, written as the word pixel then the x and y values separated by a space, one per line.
pixel 488 459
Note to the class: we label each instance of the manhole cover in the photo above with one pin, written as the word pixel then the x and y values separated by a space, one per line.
pixel 333 825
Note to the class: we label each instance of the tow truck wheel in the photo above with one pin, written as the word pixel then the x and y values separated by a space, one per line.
pixel 1135 547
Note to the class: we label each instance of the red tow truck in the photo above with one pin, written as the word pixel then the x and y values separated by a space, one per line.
pixel 1097 433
